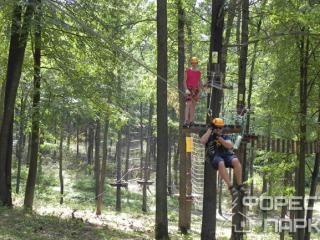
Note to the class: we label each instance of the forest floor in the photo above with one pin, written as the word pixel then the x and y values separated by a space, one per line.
pixel 76 218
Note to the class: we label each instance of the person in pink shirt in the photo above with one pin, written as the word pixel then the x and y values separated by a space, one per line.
pixel 192 85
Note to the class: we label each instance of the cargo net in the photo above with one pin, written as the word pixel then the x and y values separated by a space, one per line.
pixel 197 171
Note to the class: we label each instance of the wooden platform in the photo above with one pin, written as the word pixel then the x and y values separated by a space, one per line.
pixel 280 145
pixel 143 182
pixel 120 184
pixel 200 128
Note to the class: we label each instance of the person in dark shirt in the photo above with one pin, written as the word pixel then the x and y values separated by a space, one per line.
pixel 219 150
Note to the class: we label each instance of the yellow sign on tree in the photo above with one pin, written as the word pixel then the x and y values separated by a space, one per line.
pixel 189 143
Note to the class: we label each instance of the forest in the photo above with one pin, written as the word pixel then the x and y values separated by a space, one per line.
pixel 102 137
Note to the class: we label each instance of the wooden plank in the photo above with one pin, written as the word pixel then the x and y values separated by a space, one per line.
pixel 293 148
pixel 296 147
pixel 288 146
pixel 268 144
pixel 273 145
pixel 278 145
pixel 283 146
pixel 200 128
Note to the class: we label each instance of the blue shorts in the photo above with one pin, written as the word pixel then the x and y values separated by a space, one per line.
pixel 225 157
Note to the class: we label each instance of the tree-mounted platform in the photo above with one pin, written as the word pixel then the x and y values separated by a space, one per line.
pixel 200 128
pixel 188 197
pixel 119 184
pixel 143 182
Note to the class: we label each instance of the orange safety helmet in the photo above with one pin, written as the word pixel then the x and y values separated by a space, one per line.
pixel 194 60
pixel 218 122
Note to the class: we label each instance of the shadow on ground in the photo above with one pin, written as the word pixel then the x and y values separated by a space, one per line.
pixel 15 224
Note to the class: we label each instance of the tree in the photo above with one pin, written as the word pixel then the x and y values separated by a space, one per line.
pixel 19 33
pixel 102 173
pixel 161 226
pixel 208 230
pixel 31 181
pixel 184 224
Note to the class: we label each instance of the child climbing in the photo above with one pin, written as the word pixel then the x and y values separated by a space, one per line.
pixel 219 149
pixel 192 85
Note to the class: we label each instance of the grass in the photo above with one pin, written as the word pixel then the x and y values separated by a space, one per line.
pixel 15 224
pixel 76 219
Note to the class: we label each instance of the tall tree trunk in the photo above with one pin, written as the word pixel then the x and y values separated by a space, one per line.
pixel 264 190
pixel 208 230
pixel 300 179
pixel 300 176
pixel 128 140
pixel 251 77
pixel 176 163
pixel 19 35
pixel 27 158
pixel 103 168
pixel 3 91
pixel 78 141
pixel 170 143
pixel 32 175
pixel 313 186
pixel 189 34
pixel 231 14
pixel 147 159
pixel 220 196
pixel 20 147
pixel 243 56
pixel 118 162
pixel 284 209
pixel 60 165
pixel 41 141
pixel 242 155
pixel 97 158
pixel 90 144
pixel 184 224
pixel 141 141
pixel 69 130
pixel 55 141
pixel 161 225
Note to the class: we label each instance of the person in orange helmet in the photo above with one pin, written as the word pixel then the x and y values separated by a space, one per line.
pixel 219 150
pixel 192 86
